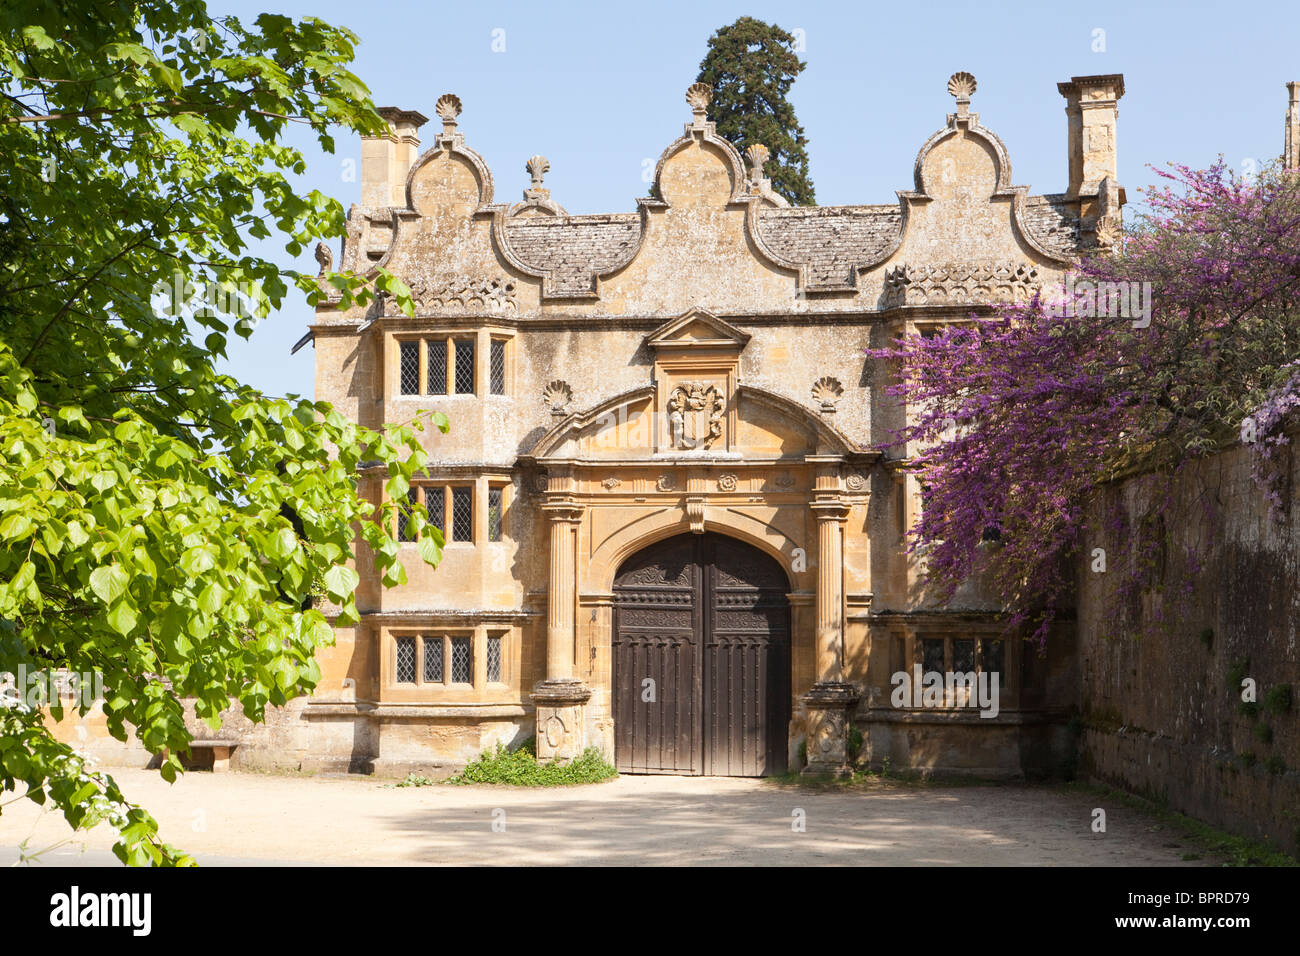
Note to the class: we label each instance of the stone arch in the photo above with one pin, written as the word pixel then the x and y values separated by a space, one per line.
pixel 660 524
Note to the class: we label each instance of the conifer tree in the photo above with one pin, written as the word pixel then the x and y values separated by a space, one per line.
pixel 751 66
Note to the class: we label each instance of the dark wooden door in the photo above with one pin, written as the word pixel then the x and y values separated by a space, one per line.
pixel 701 659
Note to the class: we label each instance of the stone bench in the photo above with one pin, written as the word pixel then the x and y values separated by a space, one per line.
pixel 220 752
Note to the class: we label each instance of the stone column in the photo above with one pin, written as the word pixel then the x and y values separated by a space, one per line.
pixel 831 699
pixel 560 699
pixel 831 515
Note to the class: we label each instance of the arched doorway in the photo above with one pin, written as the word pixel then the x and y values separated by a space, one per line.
pixel 701 659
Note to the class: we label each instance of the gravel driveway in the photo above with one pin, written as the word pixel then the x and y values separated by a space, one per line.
pixel 646 820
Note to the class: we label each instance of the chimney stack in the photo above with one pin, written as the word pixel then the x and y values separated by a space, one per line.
pixel 386 159
pixel 1092 109
pixel 1291 150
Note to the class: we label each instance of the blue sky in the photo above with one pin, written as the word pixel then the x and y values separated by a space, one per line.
pixel 598 89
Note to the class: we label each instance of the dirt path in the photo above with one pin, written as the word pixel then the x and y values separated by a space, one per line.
pixel 231 818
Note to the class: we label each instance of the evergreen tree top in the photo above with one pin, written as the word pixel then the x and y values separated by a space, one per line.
pixel 751 66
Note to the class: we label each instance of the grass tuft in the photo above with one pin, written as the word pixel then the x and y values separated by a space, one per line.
pixel 519 768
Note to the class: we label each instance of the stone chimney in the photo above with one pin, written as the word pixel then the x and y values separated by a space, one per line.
pixel 1092 108
pixel 1291 151
pixel 385 160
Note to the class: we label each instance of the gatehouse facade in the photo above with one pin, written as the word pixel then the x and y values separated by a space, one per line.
pixel 674 517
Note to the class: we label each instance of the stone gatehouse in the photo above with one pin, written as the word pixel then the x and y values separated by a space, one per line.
pixel 674 519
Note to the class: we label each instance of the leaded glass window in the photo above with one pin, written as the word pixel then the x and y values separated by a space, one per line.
pixel 435 502
pixel 994 658
pixel 437 359
pixel 464 366
pixel 409 367
pixel 462 514
pixel 932 655
pixel 433 660
pixel 406 660
pixel 494 513
pixel 497 367
pixel 963 655
pixel 462 671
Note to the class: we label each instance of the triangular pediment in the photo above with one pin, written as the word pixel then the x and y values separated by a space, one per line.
pixel 697 328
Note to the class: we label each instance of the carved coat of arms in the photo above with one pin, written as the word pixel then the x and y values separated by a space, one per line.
pixel 694 416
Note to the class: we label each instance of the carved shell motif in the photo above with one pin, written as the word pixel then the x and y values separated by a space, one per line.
pixel 961 85
pixel 826 391
pixel 537 166
pixel 448 107
pixel 699 96
pixel 757 156
pixel 557 395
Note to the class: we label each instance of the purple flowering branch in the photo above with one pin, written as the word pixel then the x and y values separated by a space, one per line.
pixel 1016 420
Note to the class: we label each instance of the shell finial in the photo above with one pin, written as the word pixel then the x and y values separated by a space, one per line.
pixel 961 85
pixel 699 96
pixel 537 167
pixel 448 108
pixel 757 156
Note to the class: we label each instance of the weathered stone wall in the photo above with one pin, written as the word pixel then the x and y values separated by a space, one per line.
pixel 1160 672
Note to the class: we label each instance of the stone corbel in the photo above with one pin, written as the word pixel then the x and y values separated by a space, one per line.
pixel 695 513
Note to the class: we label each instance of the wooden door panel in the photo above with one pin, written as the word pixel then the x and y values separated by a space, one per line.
pixel 706 619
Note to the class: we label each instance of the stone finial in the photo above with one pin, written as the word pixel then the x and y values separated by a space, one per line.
pixel 537 198
pixel 757 156
pixel 537 167
pixel 325 257
pixel 962 86
pixel 1291 150
pixel 448 108
pixel 699 96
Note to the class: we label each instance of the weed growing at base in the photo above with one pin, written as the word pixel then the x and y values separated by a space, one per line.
pixel 519 768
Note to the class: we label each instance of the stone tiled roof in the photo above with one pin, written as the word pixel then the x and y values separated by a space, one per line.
pixel 572 250
pixel 1052 224
pixel 832 240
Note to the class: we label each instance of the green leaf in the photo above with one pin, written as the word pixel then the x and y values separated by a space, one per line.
pixel 282 544
pixel 15 525
pixel 122 617
pixel 340 581
pixel 109 582
pixel 212 598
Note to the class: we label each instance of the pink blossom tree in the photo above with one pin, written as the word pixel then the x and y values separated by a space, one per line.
pixel 1019 416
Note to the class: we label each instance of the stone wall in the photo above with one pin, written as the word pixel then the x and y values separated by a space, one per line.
pixel 1161 670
